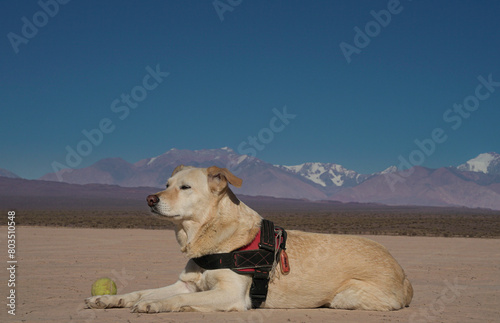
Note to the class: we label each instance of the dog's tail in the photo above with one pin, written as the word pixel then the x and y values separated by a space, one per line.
pixel 408 292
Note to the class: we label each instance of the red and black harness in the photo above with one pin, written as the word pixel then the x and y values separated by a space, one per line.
pixel 256 258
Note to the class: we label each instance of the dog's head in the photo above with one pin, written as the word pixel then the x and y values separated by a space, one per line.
pixel 191 192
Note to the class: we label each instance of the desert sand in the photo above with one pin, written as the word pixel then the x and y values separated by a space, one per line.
pixel 455 279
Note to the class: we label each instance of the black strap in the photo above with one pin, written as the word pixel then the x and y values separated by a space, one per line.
pixel 260 279
pixel 237 260
pixel 267 238
pixel 253 259
pixel 215 261
pixel 258 290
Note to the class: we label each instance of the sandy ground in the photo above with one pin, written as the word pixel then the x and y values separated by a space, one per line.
pixel 455 279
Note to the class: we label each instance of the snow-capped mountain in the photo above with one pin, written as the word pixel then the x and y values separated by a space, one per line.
pixel 388 170
pixel 487 163
pixel 473 184
pixel 152 172
pixel 424 186
pixel 259 177
pixel 332 177
pixel 327 174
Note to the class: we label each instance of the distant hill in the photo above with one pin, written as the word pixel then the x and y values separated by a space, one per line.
pixel 45 203
pixel 475 183
pixel 429 187
pixel 16 193
pixel 259 177
pixel 8 174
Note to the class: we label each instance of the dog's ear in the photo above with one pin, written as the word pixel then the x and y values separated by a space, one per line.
pixel 177 169
pixel 219 177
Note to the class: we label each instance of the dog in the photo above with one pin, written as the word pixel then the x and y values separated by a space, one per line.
pixel 325 270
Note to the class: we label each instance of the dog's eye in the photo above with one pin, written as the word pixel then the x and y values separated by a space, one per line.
pixel 185 187
pixel 166 186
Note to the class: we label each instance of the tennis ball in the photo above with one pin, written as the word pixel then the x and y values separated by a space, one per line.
pixel 103 286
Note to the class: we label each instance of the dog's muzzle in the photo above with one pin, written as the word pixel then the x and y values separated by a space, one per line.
pixel 159 208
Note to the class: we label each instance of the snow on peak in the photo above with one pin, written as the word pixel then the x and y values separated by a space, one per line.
pixel 389 170
pixel 481 163
pixel 151 160
pixel 241 158
pixel 293 169
pixel 323 174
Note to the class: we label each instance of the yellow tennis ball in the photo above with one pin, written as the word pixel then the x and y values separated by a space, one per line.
pixel 103 286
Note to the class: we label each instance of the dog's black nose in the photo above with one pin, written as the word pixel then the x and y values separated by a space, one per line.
pixel 152 200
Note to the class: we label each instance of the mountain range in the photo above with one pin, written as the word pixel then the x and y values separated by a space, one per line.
pixel 475 183
pixel 8 174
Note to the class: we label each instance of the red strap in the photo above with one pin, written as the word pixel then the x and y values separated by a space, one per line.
pixel 254 245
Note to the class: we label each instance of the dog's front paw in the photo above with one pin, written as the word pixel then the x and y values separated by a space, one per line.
pixel 107 301
pixel 101 301
pixel 147 307
pixel 154 306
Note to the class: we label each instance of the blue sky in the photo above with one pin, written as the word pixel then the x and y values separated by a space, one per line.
pixel 70 68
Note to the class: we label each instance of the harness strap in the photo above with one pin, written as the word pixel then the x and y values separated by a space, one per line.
pixel 267 235
pixel 258 290
pixel 258 262
pixel 215 261
pixel 237 260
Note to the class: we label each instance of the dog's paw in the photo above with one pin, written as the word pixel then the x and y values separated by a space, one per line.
pixel 154 306
pixel 107 301
pixel 96 302
pixel 147 307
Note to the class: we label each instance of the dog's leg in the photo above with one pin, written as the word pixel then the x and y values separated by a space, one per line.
pixel 128 300
pixel 207 301
pixel 356 294
pixel 223 290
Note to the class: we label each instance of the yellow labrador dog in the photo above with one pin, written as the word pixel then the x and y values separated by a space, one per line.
pixel 336 271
